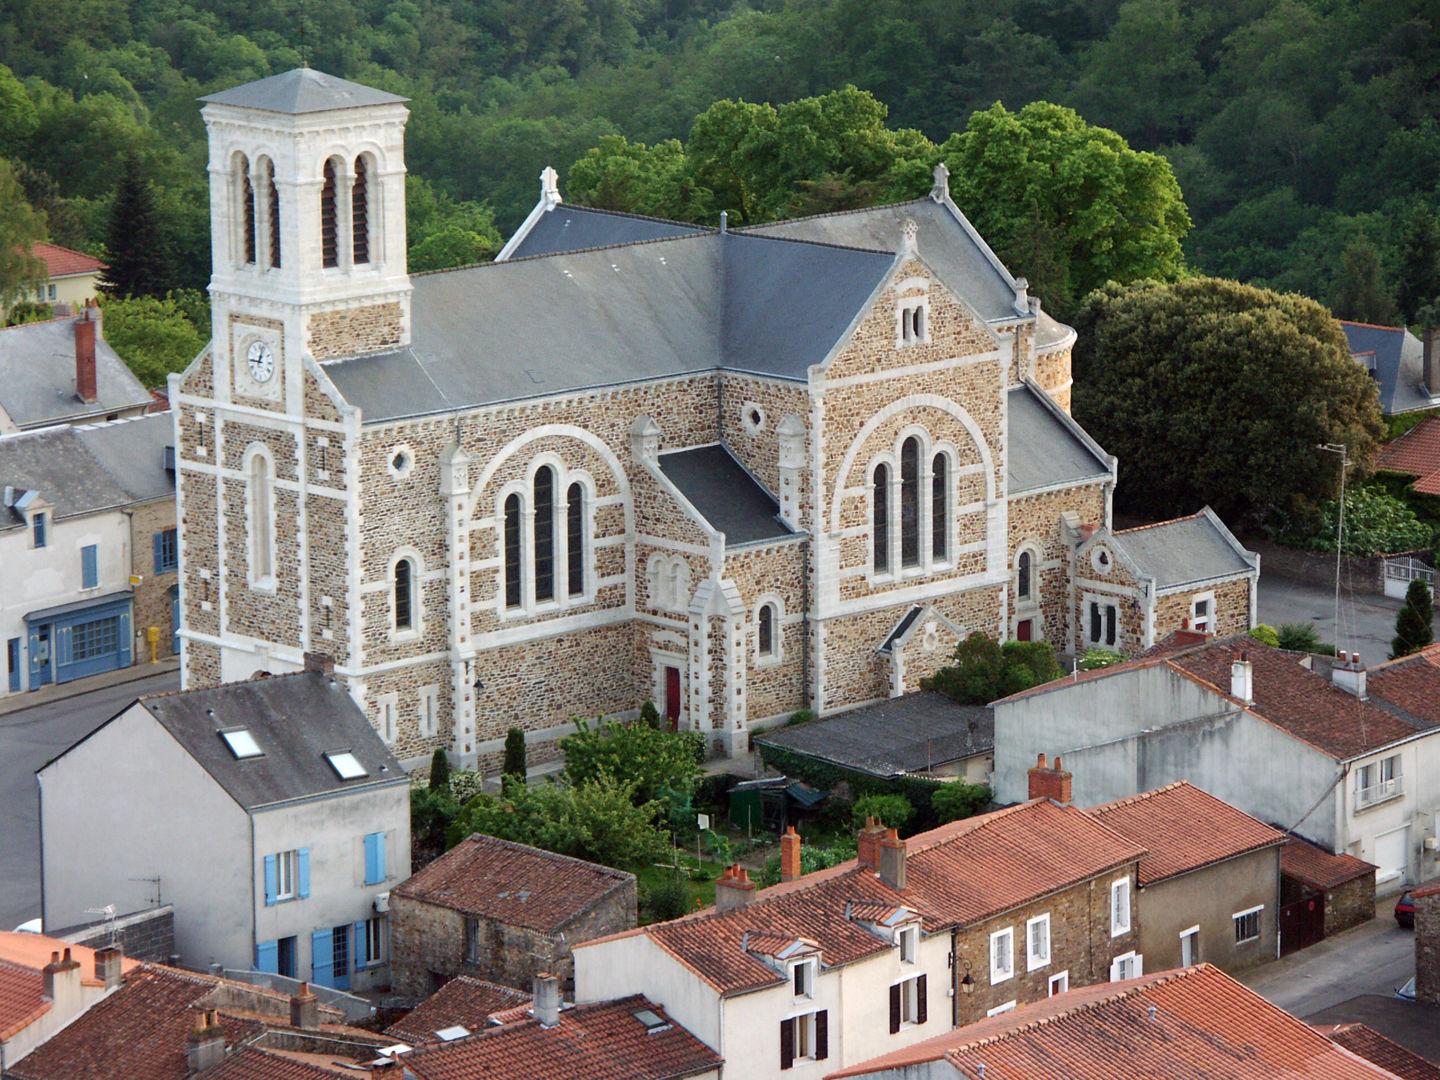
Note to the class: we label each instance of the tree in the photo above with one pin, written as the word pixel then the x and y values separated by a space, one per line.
pixel 1414 623
pixel 21 273
pixel 958 799
pixel 1215 392
pixel 661 764
pixel 153 336
pixel 985 670
pixel 1106 212
pixel 1360 292
pixel 17 113
pixel 1419 272
pixel 443 232
pixel 892 811
pixel 440 770
pixel 134 247
pixel 515 764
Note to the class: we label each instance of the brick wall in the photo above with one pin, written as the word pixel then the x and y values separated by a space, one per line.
pixel 145 935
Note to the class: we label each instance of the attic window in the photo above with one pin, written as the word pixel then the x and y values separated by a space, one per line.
pixel 450 1034
pixel 652 1020
pixel 345 764
pixel 913 321
pixel 241 743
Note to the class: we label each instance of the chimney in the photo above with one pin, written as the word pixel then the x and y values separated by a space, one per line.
pixel 1242 679
pixel 1430 362
pixel 58 977
pixel 790 855
pixel 305 1009
pixel 892 860
pixel 85 356
pixel 206 1044
pixel 1348 673
pixel 868 843
pixel 734 889
pixel 319 662
pixel 1050 782
pixel 1187 636
pixel 108 966
pixel 547 999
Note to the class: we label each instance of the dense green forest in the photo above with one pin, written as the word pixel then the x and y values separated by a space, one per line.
pixel 1305 134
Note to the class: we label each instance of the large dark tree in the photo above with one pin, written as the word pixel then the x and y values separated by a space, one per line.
pixel 1414 623
pixel 1211 391
pixel 135 246
pixel 1418 277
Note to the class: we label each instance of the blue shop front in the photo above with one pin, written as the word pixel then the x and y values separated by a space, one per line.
pixel 79 639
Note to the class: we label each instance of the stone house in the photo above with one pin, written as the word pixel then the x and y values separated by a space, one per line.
pixel 908 940
pixel 291 837
pixel 88 542
pixel 1348 759
pixel 630 460
pixel 472 1004
pixel 503 912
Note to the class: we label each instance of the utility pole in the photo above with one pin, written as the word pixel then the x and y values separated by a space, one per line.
pixel 1345 463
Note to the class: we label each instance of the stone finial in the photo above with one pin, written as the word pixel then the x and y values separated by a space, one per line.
pixel 550 187
pixel 909 232
pixel 1022 295
pixel 941 189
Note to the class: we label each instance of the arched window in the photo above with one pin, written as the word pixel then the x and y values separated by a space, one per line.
pixel 247 211
pixel 404 597
pixel 544 533
pixel 272 205
pixel 262 558
pixel 910 502
pixel 880 518
pixel 765 631
pixel 360 213
pixel 575 539
pixel 513 591
pixel 329 253
pixel 939 507
pixel 1023 571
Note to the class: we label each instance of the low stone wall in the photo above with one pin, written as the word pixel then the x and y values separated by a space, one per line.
pixel 1362 575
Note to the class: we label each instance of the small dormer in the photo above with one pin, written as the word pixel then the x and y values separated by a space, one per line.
pixel 798 959
pixel 34 510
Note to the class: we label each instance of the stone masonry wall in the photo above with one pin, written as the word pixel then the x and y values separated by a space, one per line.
pixel 1427 945
pixel 1350 904
pixel 759 448
pixel 351 331
pixel 152 596
pixel 1035 519
pixel 1232 608
pixel 773 687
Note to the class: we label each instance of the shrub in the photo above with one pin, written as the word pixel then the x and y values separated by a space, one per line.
pixel 661 763
pixel 650 716
pixel 515 764
pixel 666 899
pixel 958 799
pixel 439 770
pixel 1414 623
pixel 697 744
pixel 1266 635
pixel 1300 637
pixel 1098 658
pixel 893 811
pixel 985 670
pixel 1376 523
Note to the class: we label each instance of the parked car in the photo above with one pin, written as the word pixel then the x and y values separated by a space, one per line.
pixel 1407 991
pixel 29 926
pixel 1405 911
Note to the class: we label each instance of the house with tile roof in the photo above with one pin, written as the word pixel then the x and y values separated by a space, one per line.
pixel 463 1005
pixel 1376 1048
pixel 1342 885
pixel 45 984
pixel 1210 879
pixel 73 276
pixel 1415 453
pixel 501 911
pixel 88 540
pixel 734 472
pixel 1344 757
pixel 910 939
pixel 1192 1024
pixel 296 825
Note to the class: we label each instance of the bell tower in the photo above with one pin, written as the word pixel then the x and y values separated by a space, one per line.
pixel 307 211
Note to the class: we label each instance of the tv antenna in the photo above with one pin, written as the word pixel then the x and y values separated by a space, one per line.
pixel 108 911
pixel 1345 463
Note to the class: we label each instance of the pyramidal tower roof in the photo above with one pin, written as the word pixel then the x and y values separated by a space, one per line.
pixel 302 90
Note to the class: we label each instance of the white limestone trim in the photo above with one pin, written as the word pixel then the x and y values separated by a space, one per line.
pixel 260 535
pixel 269 417
pixel 541 628
pixel 778 622
pixel 915 594
pixel 549 199
pixel 1066 342
pixel 672 545
pixel 418 577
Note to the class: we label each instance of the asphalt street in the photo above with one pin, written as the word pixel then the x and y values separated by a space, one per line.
pixel 1374 958
pixel 1367 623
pixel 28 739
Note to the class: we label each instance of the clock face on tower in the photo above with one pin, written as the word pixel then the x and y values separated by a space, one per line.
pixel 261 361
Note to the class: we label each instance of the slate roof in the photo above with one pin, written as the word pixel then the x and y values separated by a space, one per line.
pixel 85 469
pixel 727 496
pixel 302 90
pixel 1377 1049
pixel 1185 550
pixel 37 376
pixel 1190 1024
pixel 905 734
pixel 1183 828
pixel 292 763
pixel 599 1041
pixel 1312 865
pixel 513 883
pixel 64 262
pixel 575 228
pixel 464 1001
pixel 1047 448
pixel 956 875
pixel 1394 357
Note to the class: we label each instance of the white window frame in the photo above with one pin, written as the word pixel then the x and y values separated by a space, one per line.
pixel 802 979
pixel 524 490
pixel 1009 1006
pixel 1373 787
pixel 804 1034
pixel 389 706
pixel 260 535
pixel 1030 601
pixel 417 595
pixel 1001 974
pixel 1103 601
pixel 1207 598
pixel 1258 912
pixel 1117 927
pixel 905 309
pixel 908 939
pixel 1193 931
pixel 910 1001
pixel 374 940
pixel 1033 959
pixel 287 874
pixel 1131 960
pixel 1058 983
pixel 407 462
pixel 667 581
pixel 777 616
pixel 928 449
pixel 752 417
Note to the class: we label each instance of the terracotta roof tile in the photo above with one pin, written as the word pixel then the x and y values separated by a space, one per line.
pixel 1374 1047
pixel 1416 453
pixel 62 262
pixel 600 1041
pixel 1191 1024
pixel 1411 683
pixel 957 874
pixel 22 999
pixel 33 951
pixel 1318 868
pixel 249 1063
pixel 513 883
pixel 1184 828
pixel 462 1000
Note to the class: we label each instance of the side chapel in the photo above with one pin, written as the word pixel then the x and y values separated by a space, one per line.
pixel 735 472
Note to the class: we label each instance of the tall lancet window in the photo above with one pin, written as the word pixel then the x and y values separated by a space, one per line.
pixel 329 253
pixel 360 212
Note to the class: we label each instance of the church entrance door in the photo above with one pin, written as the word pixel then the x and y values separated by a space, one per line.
pixel 672 697
pixel 1024 630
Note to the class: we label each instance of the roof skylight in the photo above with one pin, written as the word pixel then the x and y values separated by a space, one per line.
pixel 346 765
pixel 241 743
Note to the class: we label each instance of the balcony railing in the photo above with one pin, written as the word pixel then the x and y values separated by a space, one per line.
pixel 1377 793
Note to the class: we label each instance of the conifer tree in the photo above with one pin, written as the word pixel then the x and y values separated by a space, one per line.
pixel 515 754
pixel 1414 625
pixel 134 245
pixel 1419 276
pixel 440 770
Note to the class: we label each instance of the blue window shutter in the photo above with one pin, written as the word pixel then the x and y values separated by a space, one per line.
pixel 362 946
pixel 272 880
pixel 302 873
pixel 267 957
pixel 379 857
pixel 322 957
pixel 159 555
pixel 374 858
pixel 89 571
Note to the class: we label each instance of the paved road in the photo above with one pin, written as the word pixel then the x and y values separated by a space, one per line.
pixel 28 739
pixel 1367 622
pixel 1374 958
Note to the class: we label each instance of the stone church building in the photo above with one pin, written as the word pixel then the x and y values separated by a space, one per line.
pixel 734 472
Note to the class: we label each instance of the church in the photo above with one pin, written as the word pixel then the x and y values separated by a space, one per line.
pixel 734 472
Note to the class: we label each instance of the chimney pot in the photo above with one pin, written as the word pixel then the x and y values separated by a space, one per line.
pixel 1052 783
pixel 734 890
pixel 868 844
pixel 1349 675
pixel 1040 761
pixel 892 860
pixel 546 1005
pixel 305 1009
pixel 206 1044
pixel 109 965
pixel 790 855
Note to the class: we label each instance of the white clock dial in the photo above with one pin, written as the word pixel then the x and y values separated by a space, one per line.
pixel 261 361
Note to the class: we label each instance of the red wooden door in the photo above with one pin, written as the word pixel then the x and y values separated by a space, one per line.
pixel 672 697
pixel 1023 630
